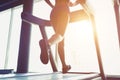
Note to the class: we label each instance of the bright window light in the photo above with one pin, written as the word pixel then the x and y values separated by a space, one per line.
pixel 80 46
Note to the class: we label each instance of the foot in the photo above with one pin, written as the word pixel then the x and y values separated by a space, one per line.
pixel 66 69
pixel 44 52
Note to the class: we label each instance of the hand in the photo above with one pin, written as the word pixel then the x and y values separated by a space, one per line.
pixel 81 1
pixel 71 4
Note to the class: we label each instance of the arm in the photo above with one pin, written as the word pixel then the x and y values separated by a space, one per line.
pixel 73 4
pixel 49 3
pixel 81 1
pixel 77 2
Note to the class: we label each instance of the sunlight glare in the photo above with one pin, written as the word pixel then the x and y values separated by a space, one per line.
pixel 80 48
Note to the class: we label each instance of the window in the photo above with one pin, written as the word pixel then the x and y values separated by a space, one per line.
pixel 10 35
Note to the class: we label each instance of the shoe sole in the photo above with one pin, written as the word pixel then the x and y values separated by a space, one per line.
pixel 44 53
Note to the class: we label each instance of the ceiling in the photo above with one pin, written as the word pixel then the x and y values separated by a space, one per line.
pixel 6 4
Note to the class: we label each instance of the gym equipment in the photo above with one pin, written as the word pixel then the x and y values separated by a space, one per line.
pixel 117 15
pixel 42 23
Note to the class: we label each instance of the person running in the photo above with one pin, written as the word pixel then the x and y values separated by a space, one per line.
pixel 59 19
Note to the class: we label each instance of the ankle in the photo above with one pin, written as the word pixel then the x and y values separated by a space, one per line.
pixel 66 68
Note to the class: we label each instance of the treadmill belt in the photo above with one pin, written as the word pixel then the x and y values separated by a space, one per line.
pixel 49 76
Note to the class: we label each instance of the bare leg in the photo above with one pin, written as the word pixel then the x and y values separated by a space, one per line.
pixel 61 52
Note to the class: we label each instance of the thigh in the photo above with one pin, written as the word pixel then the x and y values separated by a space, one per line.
pixel 59 21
